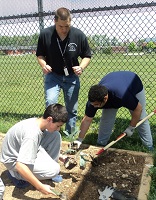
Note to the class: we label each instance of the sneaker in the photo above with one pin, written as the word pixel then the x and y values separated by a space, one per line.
pixel 151 149
pixel 18 183
pixel 101 143
pixel 57 178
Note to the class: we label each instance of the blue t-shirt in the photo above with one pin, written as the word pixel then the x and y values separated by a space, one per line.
pixel 122 89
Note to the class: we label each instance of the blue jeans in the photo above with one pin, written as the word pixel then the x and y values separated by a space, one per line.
pixel 70 86
pixel 108 119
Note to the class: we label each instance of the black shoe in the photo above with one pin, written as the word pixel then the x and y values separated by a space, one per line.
pixel 18 183
pixel 101 144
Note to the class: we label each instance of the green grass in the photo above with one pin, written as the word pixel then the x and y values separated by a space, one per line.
pixel 22 94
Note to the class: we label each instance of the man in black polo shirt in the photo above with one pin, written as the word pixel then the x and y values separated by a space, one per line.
pixel 115 90
pixel 58 50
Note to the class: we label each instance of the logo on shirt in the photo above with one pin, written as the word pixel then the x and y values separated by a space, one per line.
pixel 72 46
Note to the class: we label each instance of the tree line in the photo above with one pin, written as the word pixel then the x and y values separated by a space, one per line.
pixel 96 42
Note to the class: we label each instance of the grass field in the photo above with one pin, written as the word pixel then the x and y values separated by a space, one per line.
pixel 22 93
pixel 22 90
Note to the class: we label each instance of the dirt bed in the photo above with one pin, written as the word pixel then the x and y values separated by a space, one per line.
pixel 118 169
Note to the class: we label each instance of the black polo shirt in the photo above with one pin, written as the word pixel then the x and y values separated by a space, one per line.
pixel 73 46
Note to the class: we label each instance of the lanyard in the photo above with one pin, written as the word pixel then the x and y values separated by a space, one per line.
pixel 64 60
pixel 62 53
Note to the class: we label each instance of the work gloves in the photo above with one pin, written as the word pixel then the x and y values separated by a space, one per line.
pixel 110 192
pixel 106 193
pixel 129 131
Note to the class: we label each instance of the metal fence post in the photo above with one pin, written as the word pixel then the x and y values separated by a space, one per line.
pixel 40 12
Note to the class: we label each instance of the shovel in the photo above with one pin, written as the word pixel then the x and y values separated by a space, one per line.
pixel 119 138
pixel 61 195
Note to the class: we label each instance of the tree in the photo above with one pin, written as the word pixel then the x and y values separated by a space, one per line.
pixel 114 42
pixel 132 47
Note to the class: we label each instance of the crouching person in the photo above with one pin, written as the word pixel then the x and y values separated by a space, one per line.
pixel 31 149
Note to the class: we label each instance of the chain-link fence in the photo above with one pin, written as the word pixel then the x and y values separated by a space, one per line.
pixel 121 38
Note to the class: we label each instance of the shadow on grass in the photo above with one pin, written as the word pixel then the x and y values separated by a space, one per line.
pixel 131 143
pixel 18 116
pixel 7 120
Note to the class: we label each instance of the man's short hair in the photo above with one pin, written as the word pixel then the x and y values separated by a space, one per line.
pixel 57 112
pixel 97 93
pixel 62 13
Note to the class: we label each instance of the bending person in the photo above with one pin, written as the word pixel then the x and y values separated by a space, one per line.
pixel 116 90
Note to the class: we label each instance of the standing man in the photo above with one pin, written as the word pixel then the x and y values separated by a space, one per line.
pixel 58 50
pixel 31 149
pixel 116 90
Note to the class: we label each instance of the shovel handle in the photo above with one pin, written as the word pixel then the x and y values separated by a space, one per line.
pixel 147 117
pixel 114 141
pixel 111 143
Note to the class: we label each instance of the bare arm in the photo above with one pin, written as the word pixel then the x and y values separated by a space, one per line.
pixel 42 62
pixel 79 69
pixel 25 172
pixel 86 121
pixel 84 63
pixel 136 115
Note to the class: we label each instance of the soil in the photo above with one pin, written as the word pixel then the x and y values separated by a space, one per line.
pixel 118 169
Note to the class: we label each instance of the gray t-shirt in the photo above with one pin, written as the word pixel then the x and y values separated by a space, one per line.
pixel 21 143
